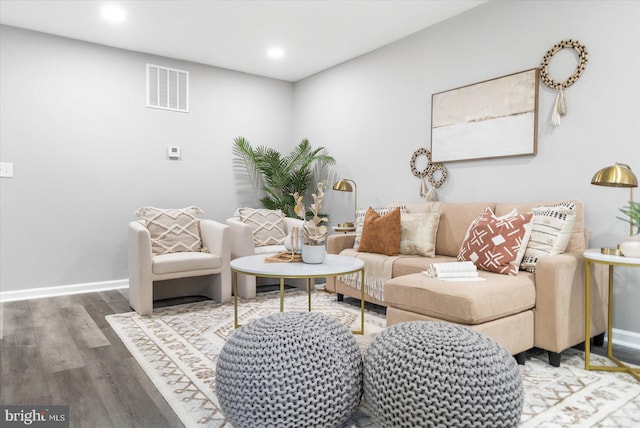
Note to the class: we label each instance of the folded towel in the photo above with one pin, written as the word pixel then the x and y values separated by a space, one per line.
pixel 451 274
pixel 452 270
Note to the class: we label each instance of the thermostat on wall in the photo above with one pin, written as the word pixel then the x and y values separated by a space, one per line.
pixel 173 152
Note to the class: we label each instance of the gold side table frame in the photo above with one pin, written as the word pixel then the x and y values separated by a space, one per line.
pixel 595 256
pixel 282 276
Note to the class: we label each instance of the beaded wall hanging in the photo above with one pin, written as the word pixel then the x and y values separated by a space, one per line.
pixel 431 171
pixel 559 106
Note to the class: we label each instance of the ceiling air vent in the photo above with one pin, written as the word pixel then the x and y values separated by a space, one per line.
pixel 167 88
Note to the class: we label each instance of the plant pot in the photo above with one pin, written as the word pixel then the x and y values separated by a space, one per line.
pixel 314 253
pixel 630 247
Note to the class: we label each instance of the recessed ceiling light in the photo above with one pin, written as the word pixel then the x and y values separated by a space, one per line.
pixel 113 13
pixel 275 53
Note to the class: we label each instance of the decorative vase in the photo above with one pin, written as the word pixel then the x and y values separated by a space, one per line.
pixel 290 240
pixel 630 247
pixel 314 253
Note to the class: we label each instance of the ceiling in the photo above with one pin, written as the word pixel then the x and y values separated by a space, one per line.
pixel 314 35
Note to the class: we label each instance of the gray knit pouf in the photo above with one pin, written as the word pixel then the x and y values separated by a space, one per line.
pixel 291 369
pixel 435 374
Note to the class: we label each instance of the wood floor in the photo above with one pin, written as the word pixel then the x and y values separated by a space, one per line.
pixel 62 351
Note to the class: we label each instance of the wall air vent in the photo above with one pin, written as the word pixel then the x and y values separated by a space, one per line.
pixel 167 88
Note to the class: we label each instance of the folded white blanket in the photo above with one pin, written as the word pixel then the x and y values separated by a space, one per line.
pixel 452 270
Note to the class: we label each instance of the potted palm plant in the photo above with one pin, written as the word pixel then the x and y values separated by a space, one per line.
pixel 277 177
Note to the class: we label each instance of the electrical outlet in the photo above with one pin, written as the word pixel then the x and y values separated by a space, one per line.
pixel 6 169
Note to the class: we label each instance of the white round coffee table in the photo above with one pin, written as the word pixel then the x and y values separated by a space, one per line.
pixel 333 265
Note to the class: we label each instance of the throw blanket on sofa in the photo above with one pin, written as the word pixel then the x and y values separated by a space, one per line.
pixel 377 271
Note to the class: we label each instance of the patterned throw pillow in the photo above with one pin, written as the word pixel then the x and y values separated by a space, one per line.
pixel 268 225
pixel 418 233
pixel 360 215
pixel 552 227
pixel 496 244
pixel 172 230
pixel 381 234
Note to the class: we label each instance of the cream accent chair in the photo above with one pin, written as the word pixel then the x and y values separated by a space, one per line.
pixel 242 245
pixel 160 276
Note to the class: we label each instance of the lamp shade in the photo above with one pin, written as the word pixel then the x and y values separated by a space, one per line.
pixel 343 186
pixel 618 175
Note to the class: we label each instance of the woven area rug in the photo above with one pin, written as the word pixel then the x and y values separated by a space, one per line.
pixel 178 348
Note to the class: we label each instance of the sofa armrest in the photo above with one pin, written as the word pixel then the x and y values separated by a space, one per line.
pixel 241 238
pixel 140 276
pixel 339 242
pixel 560 302
pixel 140 255
pixel 217 238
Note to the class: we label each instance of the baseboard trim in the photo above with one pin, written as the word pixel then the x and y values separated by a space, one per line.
pixel 628 339
pixel 62 290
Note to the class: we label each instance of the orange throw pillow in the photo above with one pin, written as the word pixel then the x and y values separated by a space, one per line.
pixel 494 244
pixel 381 234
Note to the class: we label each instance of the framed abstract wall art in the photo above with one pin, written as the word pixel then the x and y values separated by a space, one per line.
pixel 491 119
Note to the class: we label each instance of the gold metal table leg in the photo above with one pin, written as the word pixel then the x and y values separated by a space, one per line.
pixel 361 304
pixel 281 294
pixel 587 316
pixel 610 315
pixel 309 292
pixel 234 281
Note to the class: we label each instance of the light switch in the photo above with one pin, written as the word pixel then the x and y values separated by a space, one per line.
pixel 6 169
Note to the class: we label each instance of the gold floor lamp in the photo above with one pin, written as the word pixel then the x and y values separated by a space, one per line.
pixel 345 186
pixel 618 175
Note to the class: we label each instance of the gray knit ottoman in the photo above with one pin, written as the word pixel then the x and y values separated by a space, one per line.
pixel 291 369
pixel 435 374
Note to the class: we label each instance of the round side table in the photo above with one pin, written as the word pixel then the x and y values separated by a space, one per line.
pixel 594 256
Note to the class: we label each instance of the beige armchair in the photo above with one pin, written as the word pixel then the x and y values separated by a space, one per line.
pixel 159 276
pixel 242 244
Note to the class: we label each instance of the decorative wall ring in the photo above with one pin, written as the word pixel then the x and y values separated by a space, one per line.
pixel 583 57
pixel 443 174
pixel 420 152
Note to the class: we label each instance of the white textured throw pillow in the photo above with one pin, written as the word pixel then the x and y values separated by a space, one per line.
pixel 172 230
pixel 361 214
pixel 418 233
pixel 552 227
pixel 268 225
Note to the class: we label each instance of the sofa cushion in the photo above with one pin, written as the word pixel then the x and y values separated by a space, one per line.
pixel 552 229
pixel 172 230
pixel 184 262
pixel 496 244
pixel 381 233
pixel 362 213
pixel 455 218
pixel 418 233
pixel 268 226
pixel 577 241
pixel 462 302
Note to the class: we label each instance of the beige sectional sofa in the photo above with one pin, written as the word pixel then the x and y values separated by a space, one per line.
pixel 544 309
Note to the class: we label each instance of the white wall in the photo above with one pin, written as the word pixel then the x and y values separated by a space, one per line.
pixel 374 111
pixel 87 152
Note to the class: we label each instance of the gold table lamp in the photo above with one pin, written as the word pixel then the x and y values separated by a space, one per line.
pixel 618 175
pixel 345 186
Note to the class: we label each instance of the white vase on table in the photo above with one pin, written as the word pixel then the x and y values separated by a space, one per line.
pixel 314 253
pixel 630 247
